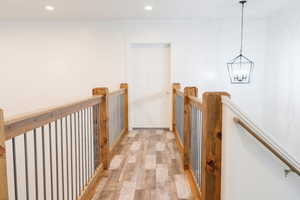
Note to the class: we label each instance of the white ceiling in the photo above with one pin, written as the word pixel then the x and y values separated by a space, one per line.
pixel 133 9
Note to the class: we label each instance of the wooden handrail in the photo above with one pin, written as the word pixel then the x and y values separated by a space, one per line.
pixel 196 102
pixel 180 93
pixel 21 124
pixel 117 92
pixel 278 154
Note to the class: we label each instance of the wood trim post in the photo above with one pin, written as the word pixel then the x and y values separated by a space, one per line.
pixel 188 91
pixel 3 172
pixel 126 118
pixel 175 86
pixel 104 126
pixel 212 145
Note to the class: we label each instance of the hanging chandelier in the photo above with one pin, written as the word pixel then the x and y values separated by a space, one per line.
pixel 241 67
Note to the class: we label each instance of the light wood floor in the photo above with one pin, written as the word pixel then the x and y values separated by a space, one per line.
pixel 147 166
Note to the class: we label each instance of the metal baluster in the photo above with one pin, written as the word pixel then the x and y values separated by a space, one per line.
pixel 56 161
pixel 85 146
pixel 92 143
pixel 62 159
pixel 84 143
pixel 88 141
pixel 26 166
pixel 81 137
pixel 91 140
pixel 35 166
pixel 67 155
pixel 71 137
pixel 76 162
pixel 51 163
pixel 79 151
pixel 44 165
pixel 15 168
pixel 95 136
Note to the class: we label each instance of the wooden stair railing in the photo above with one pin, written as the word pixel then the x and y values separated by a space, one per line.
pixel 70 146
pixel 202 145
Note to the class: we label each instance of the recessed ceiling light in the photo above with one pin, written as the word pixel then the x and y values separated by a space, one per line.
pixel 148 8
pixel 49 8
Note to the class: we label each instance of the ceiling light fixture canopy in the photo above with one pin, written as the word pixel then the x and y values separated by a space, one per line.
pixel 241 67
pixel 49 8
pixel 148 8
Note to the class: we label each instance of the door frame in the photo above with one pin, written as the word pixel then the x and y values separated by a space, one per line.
pixel 127 71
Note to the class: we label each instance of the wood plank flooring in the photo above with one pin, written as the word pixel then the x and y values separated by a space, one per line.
pixel 147 166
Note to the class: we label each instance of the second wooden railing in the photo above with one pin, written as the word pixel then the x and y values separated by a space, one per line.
pixel 200 139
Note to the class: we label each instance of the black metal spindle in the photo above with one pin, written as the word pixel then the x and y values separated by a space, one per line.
pixel 15 168
pixel 71 138
pixel 26 166
pixel 67 154
pixel 62 159
pixel 56 161
pixel 35 166
pixel 44 165
pixel 51 161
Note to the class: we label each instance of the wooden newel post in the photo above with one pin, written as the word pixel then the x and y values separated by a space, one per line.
pixel 212 150
pixel 125 86
pixel 188 91
pixel 103 126
pixel 3 172
pixel 175 86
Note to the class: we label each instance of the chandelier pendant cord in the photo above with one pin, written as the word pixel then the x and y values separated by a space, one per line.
pixel 242 26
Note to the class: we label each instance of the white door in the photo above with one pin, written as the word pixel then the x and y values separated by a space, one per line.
pixel 149 81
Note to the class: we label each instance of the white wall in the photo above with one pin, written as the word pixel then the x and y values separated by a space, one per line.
pixel 44 64
pixel 282 93
pixel 249 170
pixel 50 63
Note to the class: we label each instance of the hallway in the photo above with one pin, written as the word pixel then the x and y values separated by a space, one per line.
pixel 146 165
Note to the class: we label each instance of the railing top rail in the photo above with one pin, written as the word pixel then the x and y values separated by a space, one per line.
pixel 178 92
pixel 21 124
pixel 196 102
pixel 117 92
pixel 273 146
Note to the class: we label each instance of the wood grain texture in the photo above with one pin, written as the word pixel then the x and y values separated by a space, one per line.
pixel 126 118
pixel 196 102
pixel 175 86
pixel 212 140
pixel 21 124
pixel 90 188
pixel 146 173
pixel 194 187
pixel 179 142
pixel 3 172
pixel 117 92
pixel 104 132
pixel 188 91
